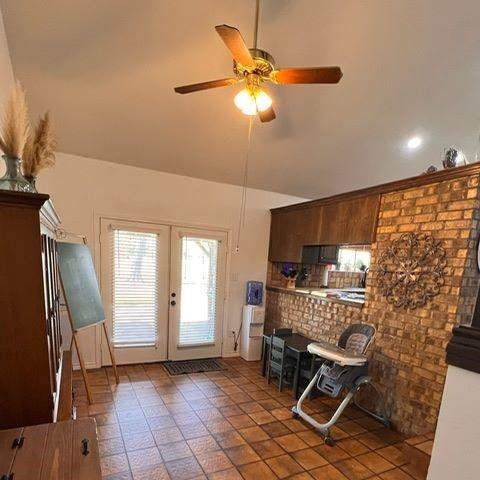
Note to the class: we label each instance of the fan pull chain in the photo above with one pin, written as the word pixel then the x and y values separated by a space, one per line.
pixel 243 204
pixel 255 30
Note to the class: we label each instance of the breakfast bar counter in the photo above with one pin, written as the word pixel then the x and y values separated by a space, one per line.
pixel 326 294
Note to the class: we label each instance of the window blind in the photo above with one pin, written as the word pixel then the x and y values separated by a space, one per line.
pixel 134 288
pixel 199 285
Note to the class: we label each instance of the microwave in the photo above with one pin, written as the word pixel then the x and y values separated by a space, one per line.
pixel 320 254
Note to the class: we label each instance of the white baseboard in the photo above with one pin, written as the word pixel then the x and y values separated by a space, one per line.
pixel 88 366
pixel 230 354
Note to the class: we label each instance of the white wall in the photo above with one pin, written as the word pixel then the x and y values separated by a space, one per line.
pixel 6 73
pixel 83 188
pixel 457 440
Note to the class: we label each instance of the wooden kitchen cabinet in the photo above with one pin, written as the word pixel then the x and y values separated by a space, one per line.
pixel 291 230
pixel 350 221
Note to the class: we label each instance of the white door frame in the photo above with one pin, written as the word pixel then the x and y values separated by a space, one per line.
pixel 102 360
pixel 158 352
pixel 175 351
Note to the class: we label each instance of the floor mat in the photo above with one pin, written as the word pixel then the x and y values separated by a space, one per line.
pixel 193 366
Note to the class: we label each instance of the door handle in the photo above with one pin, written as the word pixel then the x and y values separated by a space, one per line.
pixel 173 303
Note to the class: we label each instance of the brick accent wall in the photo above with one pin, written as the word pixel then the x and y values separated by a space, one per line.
pixel 336 279
pixel 315 318
pixel 408 355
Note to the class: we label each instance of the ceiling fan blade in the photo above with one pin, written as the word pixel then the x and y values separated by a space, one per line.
pixel 307 75
pixel 234 41
pixel 196 87
pixel 267 115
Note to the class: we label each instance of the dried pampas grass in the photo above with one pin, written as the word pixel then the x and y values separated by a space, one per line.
pixel 15 126
pixel 39 151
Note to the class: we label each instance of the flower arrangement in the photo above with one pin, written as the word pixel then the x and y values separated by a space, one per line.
pixel 290 273
pixel 40 148
pixel 22 150
pixel 15 127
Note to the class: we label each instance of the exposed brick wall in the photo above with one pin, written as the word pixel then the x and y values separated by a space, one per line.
pixel 336 279
pixel 313 317
pixel 408 356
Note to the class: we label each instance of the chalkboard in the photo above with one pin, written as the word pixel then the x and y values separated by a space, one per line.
pixel 80 285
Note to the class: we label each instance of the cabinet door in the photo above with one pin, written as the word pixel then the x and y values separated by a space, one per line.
pixel 29 457
pixel 334 225
pixel 85 455
pixel 363 215
pixel 309 225
pixel 7 453
pixel 350 221
pixel 290 231
pixel 52 305
pixel 282 237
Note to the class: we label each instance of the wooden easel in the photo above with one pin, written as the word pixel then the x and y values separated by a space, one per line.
pixel 74 340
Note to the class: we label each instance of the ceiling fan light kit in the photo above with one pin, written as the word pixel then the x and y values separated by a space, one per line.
pixel 252 99
pixel 254 67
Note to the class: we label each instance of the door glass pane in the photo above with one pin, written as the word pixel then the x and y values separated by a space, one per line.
pixel 134 305
pixel 198 291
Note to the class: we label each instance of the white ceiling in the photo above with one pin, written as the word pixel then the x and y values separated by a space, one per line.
pixel 106 69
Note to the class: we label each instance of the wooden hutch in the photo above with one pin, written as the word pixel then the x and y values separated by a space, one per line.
pixel 35 372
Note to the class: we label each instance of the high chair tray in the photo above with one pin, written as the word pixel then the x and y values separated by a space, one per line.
pixel 337 354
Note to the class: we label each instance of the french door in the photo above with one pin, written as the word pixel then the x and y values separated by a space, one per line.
pixel 163 289
pixel 135 288
pixel 197 293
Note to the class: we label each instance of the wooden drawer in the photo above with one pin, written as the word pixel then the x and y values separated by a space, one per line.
pixel 63 450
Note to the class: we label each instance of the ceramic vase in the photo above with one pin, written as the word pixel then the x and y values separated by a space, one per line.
pixel 13 179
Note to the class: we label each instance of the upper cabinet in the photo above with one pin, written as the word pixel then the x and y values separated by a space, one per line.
pixel 350 221
pixel 290 230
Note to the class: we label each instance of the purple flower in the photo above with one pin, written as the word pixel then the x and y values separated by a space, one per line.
pixel 288 270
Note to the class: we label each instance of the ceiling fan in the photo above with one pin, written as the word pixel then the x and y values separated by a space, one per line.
pixel 254 66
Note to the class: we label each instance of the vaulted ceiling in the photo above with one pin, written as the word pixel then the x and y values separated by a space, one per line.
pixel 106 70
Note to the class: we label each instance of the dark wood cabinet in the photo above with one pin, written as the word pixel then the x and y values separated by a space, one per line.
pixel 345 222
pixel 350 222
pixel 344 219
pixel 30 340
pixel 291 230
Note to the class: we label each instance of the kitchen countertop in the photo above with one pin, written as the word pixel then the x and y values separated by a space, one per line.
pixel 327 294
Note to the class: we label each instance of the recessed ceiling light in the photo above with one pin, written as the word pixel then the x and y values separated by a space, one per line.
pixel 414 142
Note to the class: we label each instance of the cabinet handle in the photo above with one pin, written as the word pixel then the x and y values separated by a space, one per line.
pixel 85 450
pixel 18 442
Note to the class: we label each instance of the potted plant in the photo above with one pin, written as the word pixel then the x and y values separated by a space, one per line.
pixel 24 154
pixel 14 133
pixel 290 273
pixel 39 150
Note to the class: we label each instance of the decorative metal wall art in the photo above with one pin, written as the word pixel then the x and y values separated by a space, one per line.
pixel 412 270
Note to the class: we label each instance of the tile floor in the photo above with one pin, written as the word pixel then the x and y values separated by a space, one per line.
pixel 226 425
